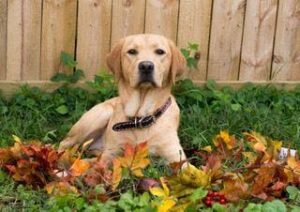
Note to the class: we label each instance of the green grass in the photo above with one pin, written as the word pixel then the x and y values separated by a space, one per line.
pixel 35 114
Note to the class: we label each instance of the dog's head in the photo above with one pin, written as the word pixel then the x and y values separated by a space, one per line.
pixel 146 60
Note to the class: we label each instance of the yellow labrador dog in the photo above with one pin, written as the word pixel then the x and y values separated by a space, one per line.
pixel 145 67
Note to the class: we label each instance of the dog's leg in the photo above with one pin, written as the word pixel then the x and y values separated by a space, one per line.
pixel 90 125
pixel 170 149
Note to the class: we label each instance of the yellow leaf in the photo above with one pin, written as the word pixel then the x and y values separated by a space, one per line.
pixel 293 164
pixel 207 148
pixel 276 145
pixel 251 157
pixel 79 167
pixel 225 138
pixel 60 188
pixel 161 192
pixel 157 191
pixel 193 176
pixel 16 139
pixel 166 205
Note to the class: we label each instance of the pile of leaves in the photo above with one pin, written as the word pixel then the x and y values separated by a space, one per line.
pixel 231 172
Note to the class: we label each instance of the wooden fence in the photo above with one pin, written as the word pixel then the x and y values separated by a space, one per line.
pixel 240 40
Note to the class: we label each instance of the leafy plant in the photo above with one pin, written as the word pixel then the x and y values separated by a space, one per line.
pixel 68 61
pixel 192 55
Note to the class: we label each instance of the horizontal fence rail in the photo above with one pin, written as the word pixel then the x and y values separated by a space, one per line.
pixel 239 40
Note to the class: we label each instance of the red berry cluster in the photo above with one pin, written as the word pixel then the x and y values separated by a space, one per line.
pixel 213 197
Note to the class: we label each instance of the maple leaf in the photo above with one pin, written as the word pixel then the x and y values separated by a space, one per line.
pixel 187 180
pixel 234 187
pixel 213 166
pixel 32 164
pixel 135 158
pixel 167 201
pixel 98 174
pixel 60 188
pixel 79 167
pixel 259 142
pixel 194 176
pixel 225 138
pixel 292 170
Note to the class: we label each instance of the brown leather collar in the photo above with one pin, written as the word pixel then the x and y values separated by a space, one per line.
pixel 144 121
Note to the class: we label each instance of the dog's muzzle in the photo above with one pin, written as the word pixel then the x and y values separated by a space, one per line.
pixel 146 71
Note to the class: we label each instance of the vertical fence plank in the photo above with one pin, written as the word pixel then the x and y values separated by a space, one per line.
pixel 225 39
pixel 194 26
pixel 31 41
pixel 128 18
pixel 257 47
pixel 58 34
pixel 93 42
pixel 286 63
pixel 3 33
pixel 14 40
pixel 162 17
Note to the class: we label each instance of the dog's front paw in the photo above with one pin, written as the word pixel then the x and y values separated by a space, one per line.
pixel 67 144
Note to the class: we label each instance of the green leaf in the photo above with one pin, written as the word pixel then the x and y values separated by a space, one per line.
pixel 59 77
pixel 295 208
pixel 252 207
pixel 199 193
pixel 294 193
pixel 211 84
pixel 68 60
pixel 218 208
pixel 235 107
pixel 185 52
pixel 192 62
pixel 63 109
pixel 195 95
pixel 193 46
pixel 274 206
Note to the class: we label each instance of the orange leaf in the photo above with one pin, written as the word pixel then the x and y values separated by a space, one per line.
pixel 79 167
pixel 117 173
pixel 235 188
pixel 135 158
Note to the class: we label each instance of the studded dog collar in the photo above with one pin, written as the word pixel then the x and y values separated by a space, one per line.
pixel 144 121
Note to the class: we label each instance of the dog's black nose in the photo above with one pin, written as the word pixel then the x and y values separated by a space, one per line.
pixel 146 68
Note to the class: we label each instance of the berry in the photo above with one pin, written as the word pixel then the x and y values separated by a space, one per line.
pixel 223 201
pixel 210 193
pixel 208 203
pixel 208 198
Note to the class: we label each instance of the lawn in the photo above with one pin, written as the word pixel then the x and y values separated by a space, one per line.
pixel 34 114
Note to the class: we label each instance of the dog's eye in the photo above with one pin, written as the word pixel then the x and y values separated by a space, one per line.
pixel 160 51
pixel 132 51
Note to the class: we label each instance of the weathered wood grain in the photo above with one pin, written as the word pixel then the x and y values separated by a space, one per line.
pixel 15 27
pixel 162 18
pixel 128 17
pixel 194 26
pixel 226 39
pixel 58 34
pixel 286 61
pixel 258 40
pixel 93 41
pixel 3 38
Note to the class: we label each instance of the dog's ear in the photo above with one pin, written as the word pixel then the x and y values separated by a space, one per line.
pixel 113 60
pixel 178 64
